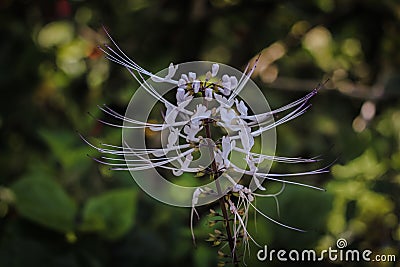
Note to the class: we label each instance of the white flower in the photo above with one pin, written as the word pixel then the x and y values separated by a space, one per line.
pixel 228 84
pixel 182 96
pixel 240 129
pixel 191 131
pixel 200 114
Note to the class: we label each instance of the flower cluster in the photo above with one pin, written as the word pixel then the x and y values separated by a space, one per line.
pixel 189 128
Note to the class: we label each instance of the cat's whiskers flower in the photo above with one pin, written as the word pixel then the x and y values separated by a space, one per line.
pixel 183 126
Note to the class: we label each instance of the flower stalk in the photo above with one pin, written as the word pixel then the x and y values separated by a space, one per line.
pixel 221 200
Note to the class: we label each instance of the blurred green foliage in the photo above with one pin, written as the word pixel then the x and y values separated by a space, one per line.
pixel 60 208
pixel 32 202
pixel 111 214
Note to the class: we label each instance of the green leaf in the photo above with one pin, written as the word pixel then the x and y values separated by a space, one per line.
pixel 67 148
pixel 111 214
pixel 44 201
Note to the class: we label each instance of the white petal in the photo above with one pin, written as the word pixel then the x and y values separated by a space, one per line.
pixel 218 159
pixel 180 95
pixel 187 161
pixel 258 184
pixel 223 101
pixel 214 70
pixel 196 195
pixel 208 94
pixel 226 146
pixel 196 86
pixel 250 197
pixel 201 113
pixel 234 82
pixel 185 77
pixel 241 107
pixel 160 153
pixel 182 83
pixel 170 115
pixel 191 131
pixel 226 85
pixel 177 172
pixel 226 91
pixel 192 76
pixel 172 138
pixel 251 164
pixel 171 71
pixel 246 138
pixel 227 115
pixel 184 165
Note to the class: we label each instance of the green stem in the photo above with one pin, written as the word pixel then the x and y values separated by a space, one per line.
pixel 221 200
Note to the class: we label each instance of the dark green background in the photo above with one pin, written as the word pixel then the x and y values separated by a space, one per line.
pixel 60 208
